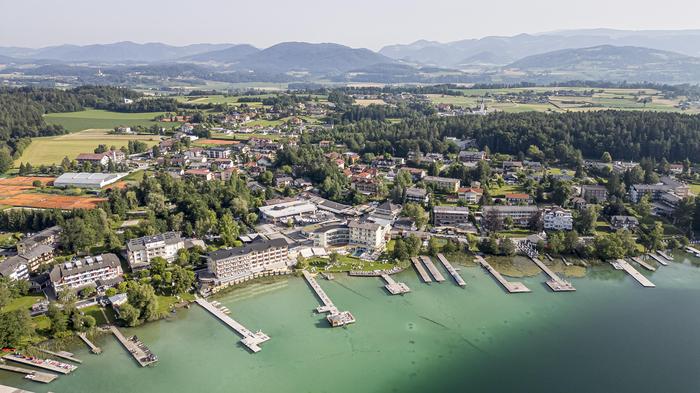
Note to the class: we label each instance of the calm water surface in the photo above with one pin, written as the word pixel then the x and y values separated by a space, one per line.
pixel 612 335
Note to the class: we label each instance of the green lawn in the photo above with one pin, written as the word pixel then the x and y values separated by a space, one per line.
pixel 347 263
pixel 164 302
pixel 101 119
pixel 51 149
pixel 498 191
pixel 245 137
pixel 22 303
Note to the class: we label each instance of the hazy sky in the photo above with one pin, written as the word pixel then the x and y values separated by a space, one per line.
pixel 357 23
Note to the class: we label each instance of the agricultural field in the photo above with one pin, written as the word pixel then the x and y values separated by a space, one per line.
pixel 51 150
pixel 101 119
pixel 19 192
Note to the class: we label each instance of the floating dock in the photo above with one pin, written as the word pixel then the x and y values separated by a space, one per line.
pixel 421 270
pixel 511 287
pixel 335 318
pixel 658 259
pixel 250 339
pixel 138 350
pixel 432 268
pixel 693 251
pixel 451 270
pixel 395 288
pixel 29 374
pixel 556 283
pixel 10 389
pixel 93 348
pixel 643 264
pixel 46 364
pixel 665 255
pixel 624 265
pixel 63 355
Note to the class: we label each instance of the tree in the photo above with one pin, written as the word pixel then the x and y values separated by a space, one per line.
pixel 182 280
pixel 143 298
pixel 58 319
pixel 228 230
pixel 507 247
pixel 433 246
pixel 14 325
pixel 5 160
pixel 643 207
pixel 587 219
pixel 417 213
pixel 129 314
pixel 652 236
pixel 535 153
pixel 606 157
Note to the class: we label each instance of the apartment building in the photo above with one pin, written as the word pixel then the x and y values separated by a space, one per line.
pixel 240 263
pixel 520 215
pixel 558 219
pixel 443 183
pixel 368 235
pixel 416 195
pixel 450 215
pixel 141 251
pixel 594 193
pixel 104 269
pixel 470 195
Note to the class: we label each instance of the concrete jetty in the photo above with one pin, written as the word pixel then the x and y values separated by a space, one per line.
pixel 421 270
pixel 250 339
pixel 665 255
pixel 62 355
pixel 93 348
pixel 624 265
pixel 448 266
pixel 335 317
pixel 643 264
pixel 511 287
pixel 138 350
pixel 658 259
pixel 556 283
pixel 30 374
pixel 10 389
pixel 46 364
pixel 395 288
pixel 431 267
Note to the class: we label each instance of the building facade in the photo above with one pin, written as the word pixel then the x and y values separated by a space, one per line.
pixel 240 263
pixel 450 215
pixel 99 270
pixel 443 183
pixel 558 219
pixel 141 251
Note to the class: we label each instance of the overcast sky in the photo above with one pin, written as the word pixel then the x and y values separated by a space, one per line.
pixel 357 23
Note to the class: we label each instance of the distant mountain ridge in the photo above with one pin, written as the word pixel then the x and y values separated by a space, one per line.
pixel 228 55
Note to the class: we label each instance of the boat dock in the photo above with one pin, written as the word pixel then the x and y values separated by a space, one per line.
pixel 432 268
pixel 665 255
pixel 556 283
pixel 451 270
pixel 93 348
pixel 421 270
pixel 62 355
pixel 693 251
pixel 138 350
pixel 624 265
pixel 511 287
pixel 10 389
pixel 29 374
pixel 643 264
pixel 46 364
pixel 395 288
pixel 250 339
pixel 335 318
pixel 658 259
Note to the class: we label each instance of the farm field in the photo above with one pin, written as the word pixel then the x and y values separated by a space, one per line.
pixel 51 150
pixel 19 192
pixel 101 119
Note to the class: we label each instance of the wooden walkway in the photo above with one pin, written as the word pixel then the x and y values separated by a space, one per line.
pixel 432 268
pixel 556 283
pixel 665 255
pixel 658 259
pixel 335 317
pixel 420 269
pixel 138 350
pixel 511 287
pixel 30 374
pixel 62 355
pixel 46 364
pixel 10 389
pixel 395 288
pixel 250 339
pixel 634 273
pixel 458 279
pixel 643 264
pixel 93 348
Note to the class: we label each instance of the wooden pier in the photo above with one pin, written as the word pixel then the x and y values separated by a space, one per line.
pixel 693 251
pixel 643 264
pixel 421 270
pixel 138 350
pixel 93 348
pixel 511 287
pixel 335 318
pixel 395 288
pixel 10 389
pixel 451 270
pixel 624 265
pixel 658 259
pixel 29 374
pixel 62 354
pixel 250 339
pixel 665 255
pixel 432 268
pixel 46 364
pixel 556 283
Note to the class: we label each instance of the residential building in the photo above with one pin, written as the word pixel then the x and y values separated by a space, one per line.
pixel 283 181
pixel 115 156
pixel 624 222
pixel 518 199
pixel 37 256
pixel 330 235
pixel 49 236
pixel 521 215
pixel 204 174
pixel 14 268
pixel 416 173
pixel 368 235
pixel 443 183
pixel 365 186
pixel 241 263
pixel 416 195
pixel 218 152
pixel 450 215
pixel 470 195
pixel 472 156
pixel 558 219
pixel 141 251
pixel 594 193
pixel 104 269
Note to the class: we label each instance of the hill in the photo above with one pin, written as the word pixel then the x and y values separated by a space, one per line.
pixel 229 55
